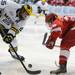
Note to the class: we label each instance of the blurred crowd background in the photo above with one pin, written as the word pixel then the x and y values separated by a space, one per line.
pixel 51 2
pixel 61 7
pixel 62 2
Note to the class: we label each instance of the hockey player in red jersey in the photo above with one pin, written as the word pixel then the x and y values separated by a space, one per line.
pixel 64 28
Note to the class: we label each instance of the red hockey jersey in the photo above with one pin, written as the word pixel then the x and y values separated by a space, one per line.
pixel 60 27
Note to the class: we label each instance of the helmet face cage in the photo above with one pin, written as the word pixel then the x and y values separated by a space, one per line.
pixel 25 11
pixel 49 21
pixel 50 18
pixel 22 10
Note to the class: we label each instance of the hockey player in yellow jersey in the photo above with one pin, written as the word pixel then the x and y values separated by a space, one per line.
pixel 12 21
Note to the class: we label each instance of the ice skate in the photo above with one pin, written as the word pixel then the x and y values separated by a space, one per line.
pixel 15 57
pixel 60 71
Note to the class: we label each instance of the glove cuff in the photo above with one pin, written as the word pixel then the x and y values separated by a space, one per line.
pixel 12 32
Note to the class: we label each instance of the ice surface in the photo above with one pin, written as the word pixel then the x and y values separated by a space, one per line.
pixel 30 46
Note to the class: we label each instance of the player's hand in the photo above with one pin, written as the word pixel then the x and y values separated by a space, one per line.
pixel 50 43
pixel 8 38
pixel 39 9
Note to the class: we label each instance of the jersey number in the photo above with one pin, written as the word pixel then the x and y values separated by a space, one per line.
pixel 7 21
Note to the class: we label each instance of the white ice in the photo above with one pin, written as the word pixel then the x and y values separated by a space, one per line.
pixel 30 46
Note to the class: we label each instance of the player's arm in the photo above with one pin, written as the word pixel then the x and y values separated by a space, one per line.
pixel 55 33
pixel 11 34
pixel 13 31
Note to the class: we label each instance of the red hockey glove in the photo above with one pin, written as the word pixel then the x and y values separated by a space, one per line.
pixel 50 43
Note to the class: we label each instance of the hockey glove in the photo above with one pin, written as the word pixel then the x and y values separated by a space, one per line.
pixel 8 38
pixel 50 43
pixel 39 9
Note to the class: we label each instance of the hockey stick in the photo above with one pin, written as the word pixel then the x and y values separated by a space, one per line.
pixel 28 71
pixel 44 39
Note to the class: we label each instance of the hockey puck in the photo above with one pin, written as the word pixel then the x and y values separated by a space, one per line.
pixel 30 65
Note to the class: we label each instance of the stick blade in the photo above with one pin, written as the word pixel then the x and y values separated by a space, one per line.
pixel 34 72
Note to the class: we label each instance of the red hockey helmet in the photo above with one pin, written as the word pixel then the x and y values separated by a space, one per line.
pixel 50 18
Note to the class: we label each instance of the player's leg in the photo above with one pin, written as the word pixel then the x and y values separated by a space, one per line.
pixel 67 42
pixel 45 12
pixel 64 54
